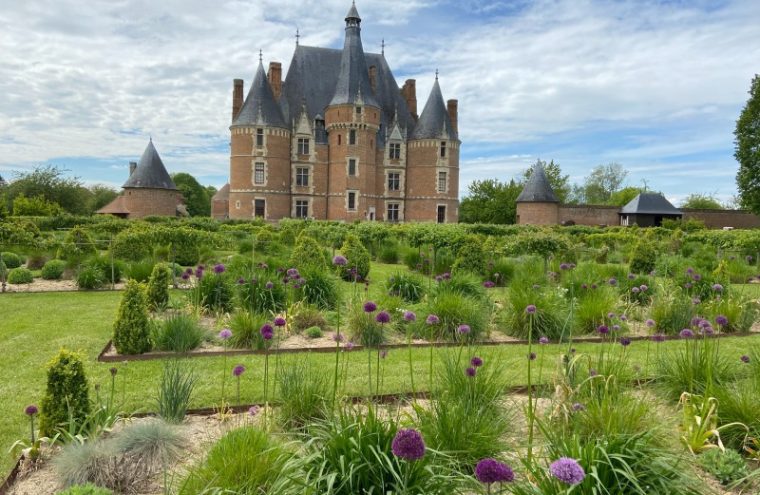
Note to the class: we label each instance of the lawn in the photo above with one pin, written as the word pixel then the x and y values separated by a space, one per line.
pixel 34 326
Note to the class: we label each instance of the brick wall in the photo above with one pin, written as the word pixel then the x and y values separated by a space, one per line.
pixel 142 202
pixel 589 214
pixel 537 213
pixel 422 195
pixel 716 219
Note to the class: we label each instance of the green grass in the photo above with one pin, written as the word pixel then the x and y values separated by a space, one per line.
pixel 35 326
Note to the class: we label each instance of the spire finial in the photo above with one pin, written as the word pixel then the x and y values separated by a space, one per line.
pixel 150 137
pixel 261 56
pixel 382 47
pixel 436 74
pixel 298 36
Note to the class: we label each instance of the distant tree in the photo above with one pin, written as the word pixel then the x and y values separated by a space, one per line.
pixel 599 185
pixel 560 183
pixel 702 201
pixel 490 201
pixel 747 150
pixel 211 190
pixel 197 200
pixel 101 195
pixel 50 182
pixel 624 196
pixel 37 206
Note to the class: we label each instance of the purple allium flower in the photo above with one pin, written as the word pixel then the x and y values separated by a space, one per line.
pixel 612 281
pixel 241 281
pixel 383 317
pixel 635 290
pixel 744 359
pixel 488 284
pixel 690 270
pixel 688 285
pixel 384 354
pixel 658 337
pixel 650 323
pixel 476 362
pixel 567 471
pixel 686 333
pixel 643 288
pixel 31 410
pixel 432 320
pixel 219 268
pixel 225 334
pixel 470 371
pixel 697 277
pixel 370 307
pixel 408 444
pixel 592 372
pixel 697 321
pixel 463 329
pixel 530 309
pixel 338 337
pixel 185 276
pixel 748 258
pixel 267 332
pixel 543 340
pixel 410 316
pixel 623 318
pixel 564 266
pixel 189 271
pixel 721 320
pixel 489 471
pixel 625 341
pixel 339 260
pixel 603 329
pixel 269 285
pixel 532 356
pixel 578 407
pixel 615 327
pixel 113 371
pixel 279 321
pixel 611 315
pixel 293 273
pixel 447 276
pixel 199 272
pixel 439 278
pixel 631 276
pixel 593 286
pixel 253 410
pixel 350 345
pixel 717 288
pixel 584 286
pixel 238 370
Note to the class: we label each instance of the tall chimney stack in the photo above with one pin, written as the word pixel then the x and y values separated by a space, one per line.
pixel 452 107
pixel 409 92
pixel 237 97
pixel 132 167
pixel 275 78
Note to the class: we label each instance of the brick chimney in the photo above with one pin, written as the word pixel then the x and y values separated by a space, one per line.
pixel 237 97
pixel 409 92
pixel 275 78
pixel 451 106
pixel 373 78
pixel 132 167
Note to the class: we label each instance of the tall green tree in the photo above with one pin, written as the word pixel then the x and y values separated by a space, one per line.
pixel 747 150
pixel 197 200
pixel 600 184
pixel 101 195
pixel 702 201
pixel 624 196
pixel 51 183
pixel 560 183
pixel 490 201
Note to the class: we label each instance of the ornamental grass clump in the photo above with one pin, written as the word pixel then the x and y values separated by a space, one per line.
pixel 319 288
pixel 303 394
pixel 178 332
pixel 463 283
pixel 262 293
pixel 408 286
pixel 215 290
pixel 246 328
pixel 175 391
pixel 593 308
pixel 551 320
pixel 454 309
pixel 362 325
pixel 672 310
pixel 158 286
pixel 66 397
pixel 131 330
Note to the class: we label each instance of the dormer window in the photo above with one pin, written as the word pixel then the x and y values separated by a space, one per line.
pixel 358 110
pixel 303 146
pixel 394 151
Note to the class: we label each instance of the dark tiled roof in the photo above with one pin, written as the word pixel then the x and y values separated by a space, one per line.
pixel 222 194
pixel 352 12
pixel 115 207
pixel 260 107
pixel 650 203
pixel 434 123
pixel 353 78
pixel 150 172
pixel 537 189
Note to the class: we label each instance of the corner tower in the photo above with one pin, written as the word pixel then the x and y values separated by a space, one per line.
pixel 537 204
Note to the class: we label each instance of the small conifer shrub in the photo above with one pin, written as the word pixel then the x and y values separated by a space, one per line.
pixel 131 331
pixel 66 397
pixel 11 260
pixel 53 270
pixel 158 286
pixel 357 256
pixel 308 254
pixel 20 276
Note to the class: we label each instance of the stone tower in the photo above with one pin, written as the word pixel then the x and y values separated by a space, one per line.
pixel 537 204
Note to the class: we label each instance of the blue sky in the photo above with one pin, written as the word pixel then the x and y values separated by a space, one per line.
pixel 653 85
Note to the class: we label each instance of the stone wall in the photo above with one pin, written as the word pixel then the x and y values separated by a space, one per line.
pixel 589 215
pixel 142 202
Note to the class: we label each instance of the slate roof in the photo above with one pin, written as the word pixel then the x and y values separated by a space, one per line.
pixel 222 194
pixel 650 204
pixel 537 189
pixel 115 207
pixel 353 79
pixel 260 107
pixel 434 122
pixel 150 172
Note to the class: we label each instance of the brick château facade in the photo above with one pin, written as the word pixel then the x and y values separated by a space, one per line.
pixel 337 139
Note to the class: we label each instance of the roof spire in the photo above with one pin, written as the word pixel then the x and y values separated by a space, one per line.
pixel 382 47
pixel 298 36
pixel 261 56
pixel 353 78
pixel 352 18
pixel 436 74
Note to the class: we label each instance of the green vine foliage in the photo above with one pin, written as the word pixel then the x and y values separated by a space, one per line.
pixel 66 396
pixel 131 331
pixel 158 286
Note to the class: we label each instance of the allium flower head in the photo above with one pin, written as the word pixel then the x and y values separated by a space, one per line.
pixel 623 318
pixel 267 332
pixel 199 272
pixel 279 321
pixel 593 286
pixel 603 329
pixel 113 371
pixel 721 320
pixel 717 288
pixel 339 260
pixel 643 288
pixel 625 341
pixel 293 273
pixel 241 281
pixel 31 410
pixel 488 284
pixel 744 359
pixel 225 334
pixel 370 307
pixel 470 371
pixel 564 266
pixel 463 329
pixel 635 290
pixel 383 317
pixel 432 320
pixel 584 286
pixel 530 309
pixel 695 301
pixel 532 356
pixel 253 410
pixel 489 471
pixel 543 340
pixel 350 345
pixel 578 407
pixel 439 278
pixel 567 471
pixel 688 285
pixel 408 444
pixel 611 315
pixel 592 372
pixel 697 277
pixel 238 370
pixel 686 333
pixel 631 276
pixel 476 362
pixel 185 276
pixel 658 337
pixel 269 285
pixel 219 268
pixel 410 316
pixel 615 327
pixel 650 323
pixel 338 337
pixel 690 270
pixel 612 281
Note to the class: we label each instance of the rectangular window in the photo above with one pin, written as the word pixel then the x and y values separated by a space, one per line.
pixel 303 146
pixel 259 137
pixel 392 214
pixel 394 151
pixel 441 182
pixel 352 137
pixel 352 167
pixel 441 213
pixel 352 200
pixel 302 176
pixel 259 208
pixel 358 110
pixel 443 149
pixel 394 181
pixel 302 208
pixel 258 173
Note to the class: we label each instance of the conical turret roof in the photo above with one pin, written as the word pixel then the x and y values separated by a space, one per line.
pixel 260 107
pixel 537 189
pixel 434 123
pixel 353 79
pixel 150 171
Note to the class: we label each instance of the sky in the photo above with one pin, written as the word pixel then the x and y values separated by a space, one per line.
pixel 655 86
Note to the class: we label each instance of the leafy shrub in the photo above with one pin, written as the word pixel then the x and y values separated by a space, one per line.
pixel 174 391
pixel 140 270
pixel 137 242
pixel 53 269
pixel 11 260
pixel 319 288
pixel 358 259
pixel 304 316
pixel 407 286
pixel 313 332
pixel 20 275
pixel 463 283
pixel 77 245
pixel 66 396
pixel 303 394
pixel 131 331
pixel 86 489
pixel 89 277
pixel 246 328
pixel 308 254
pixel 726 465
pixel 179 332
pixel 245 461
pixel 644 257
pixel 158 286
pixel 471 256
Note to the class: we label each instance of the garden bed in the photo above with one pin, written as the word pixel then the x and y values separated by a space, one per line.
pixel 42 285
